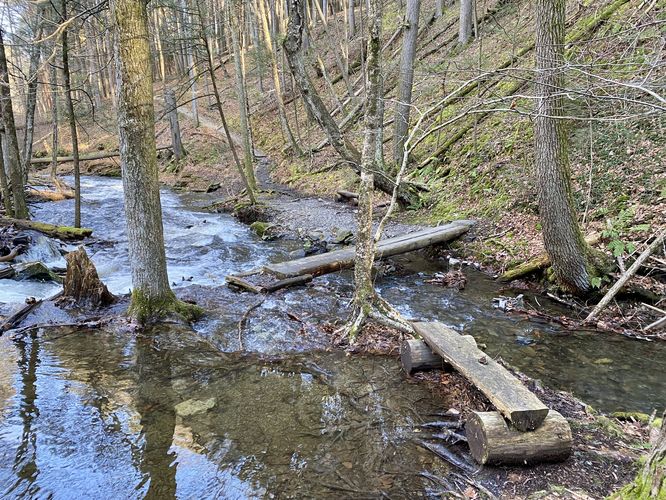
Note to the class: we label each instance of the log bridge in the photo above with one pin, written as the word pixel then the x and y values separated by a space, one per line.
pixel 272 277
pixel 522 430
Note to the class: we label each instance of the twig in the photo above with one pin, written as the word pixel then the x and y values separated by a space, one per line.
pixel 242 321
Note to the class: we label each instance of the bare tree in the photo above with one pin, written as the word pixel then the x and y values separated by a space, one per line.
pixel 572 258
pixel 404 103
pixel 466 21
pixel 152 297
pixel 20 207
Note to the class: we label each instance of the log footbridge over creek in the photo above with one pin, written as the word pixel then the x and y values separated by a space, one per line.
pixel 523 430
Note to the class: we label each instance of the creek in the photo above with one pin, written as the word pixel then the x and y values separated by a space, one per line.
pixel 179 413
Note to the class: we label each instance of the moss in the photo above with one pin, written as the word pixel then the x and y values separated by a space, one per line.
pixel 148 310
pixel 263 229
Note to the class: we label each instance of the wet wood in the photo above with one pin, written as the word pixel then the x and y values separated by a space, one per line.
pixel 493 441
pixel 505 391
pixel 415 355
pixel 82 284
pixel 243 283
pixel 330 262
pixel 60 232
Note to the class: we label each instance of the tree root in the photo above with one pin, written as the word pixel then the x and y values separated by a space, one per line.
pixel 378 310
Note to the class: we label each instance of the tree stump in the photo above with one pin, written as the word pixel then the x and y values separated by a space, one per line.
pixel 493 441
pixel 82 284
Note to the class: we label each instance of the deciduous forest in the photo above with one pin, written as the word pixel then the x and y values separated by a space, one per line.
pixel 333 249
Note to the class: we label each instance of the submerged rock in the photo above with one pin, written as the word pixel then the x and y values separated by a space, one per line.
pixel 194 406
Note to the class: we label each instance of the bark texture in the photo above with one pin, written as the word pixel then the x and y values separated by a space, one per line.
pixel 570 255
pixel 13 153
pixel 151 294
pixel 466 21
pixel 403 105
pixel 82 284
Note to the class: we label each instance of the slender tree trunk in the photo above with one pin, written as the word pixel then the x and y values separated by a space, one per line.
pixel 72 119
pixel 364 291
pixel 439 8
pixel 191 66
pixel 152 297
pixel 225 126
pixel 4 185
pixel 248 154
pixel 351 18
pixel 271 50
pixel 53 82
pixel 570 255
pixel 466 21
pixel 13 150
pixel 31 101
pixel 174 125
pixel 403 105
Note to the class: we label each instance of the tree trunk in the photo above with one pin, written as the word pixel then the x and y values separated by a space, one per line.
pixel 31 100
pixel 351 19
pixel 13 157
pixel 403 104
pixel 439 8
pixel 4 185
pixel 152 297
pixel 570 255
pixel 53 83
pixel 466 21
pixel 293 44
pixel 72 120
pixel 241 94
pixel 174 125
pixel 191 67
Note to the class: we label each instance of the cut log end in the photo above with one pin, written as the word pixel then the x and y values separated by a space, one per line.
pixel 492 441
pixel 415 355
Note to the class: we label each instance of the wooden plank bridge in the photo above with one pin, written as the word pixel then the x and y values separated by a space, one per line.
pixel 280 275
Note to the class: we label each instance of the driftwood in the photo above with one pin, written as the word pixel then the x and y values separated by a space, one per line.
pixel 539 262
pixel 626 276
pixel 60 232
pixel 504 391
pixel 492 441
pixel 346 196
pixel 82 283
pixel 14 253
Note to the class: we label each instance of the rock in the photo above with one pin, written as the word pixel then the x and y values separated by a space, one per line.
pixel 342 237
pixel 35 271
pixel 194 406
pixel 265 230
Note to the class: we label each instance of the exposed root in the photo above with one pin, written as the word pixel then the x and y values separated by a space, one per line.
pixel 378 310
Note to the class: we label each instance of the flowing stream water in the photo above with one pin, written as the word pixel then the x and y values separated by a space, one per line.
pixel 190 414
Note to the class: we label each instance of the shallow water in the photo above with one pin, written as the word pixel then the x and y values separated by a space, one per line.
pixel 183 413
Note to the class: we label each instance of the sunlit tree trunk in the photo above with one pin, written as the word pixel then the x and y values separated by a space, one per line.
pixel 13 151
pixel 152 297
pixel 31 99
pixel 4 185
pixel 466 21
pixel 271 51
pixel 404 102
pixel 69 103
pixel 248 154
pixel 570 255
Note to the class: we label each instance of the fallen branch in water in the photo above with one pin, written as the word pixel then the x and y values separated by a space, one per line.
pixel 18 316
pixel 243 320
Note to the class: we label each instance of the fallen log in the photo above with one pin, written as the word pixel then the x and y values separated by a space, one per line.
pixel 415 355
pixel 60 232
pixel 14 253
pixel 493 442
pixel 320 264
pixel 539 262
pixel 626 276
pixel 504 391
pixel 93 156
